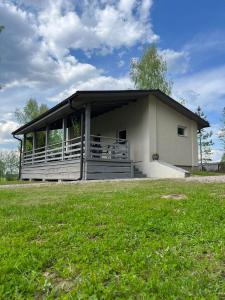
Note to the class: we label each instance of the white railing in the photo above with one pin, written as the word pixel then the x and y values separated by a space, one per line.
pixel 69 149
pixel 102 147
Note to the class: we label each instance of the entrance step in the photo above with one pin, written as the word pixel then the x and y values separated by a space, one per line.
pixel 138 173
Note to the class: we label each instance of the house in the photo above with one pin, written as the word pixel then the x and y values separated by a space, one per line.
pixel 111 134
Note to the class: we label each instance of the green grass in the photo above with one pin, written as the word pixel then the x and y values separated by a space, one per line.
pixel 6 182
pixel 206 173
pixel 113 241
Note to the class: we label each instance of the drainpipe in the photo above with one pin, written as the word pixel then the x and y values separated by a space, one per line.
pixel 20 163
pixel 82 141
pixel 82 145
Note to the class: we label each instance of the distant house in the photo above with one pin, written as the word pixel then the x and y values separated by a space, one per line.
pixel 111 134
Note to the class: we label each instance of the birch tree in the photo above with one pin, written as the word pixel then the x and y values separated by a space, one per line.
pixel 205 142
pixel 150 71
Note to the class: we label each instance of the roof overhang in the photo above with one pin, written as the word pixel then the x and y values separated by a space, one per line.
pixel 101 102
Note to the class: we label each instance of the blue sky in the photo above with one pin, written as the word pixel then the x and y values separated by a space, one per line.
pixel 49 49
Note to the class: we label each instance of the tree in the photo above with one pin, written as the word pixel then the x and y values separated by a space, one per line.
pixel 223 158
pixel 30 111
pixel 2 166
pixel 9 164
pixel 150 71
pixel 204 141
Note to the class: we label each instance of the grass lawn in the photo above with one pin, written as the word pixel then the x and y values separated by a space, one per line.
pixel 6 182
pixel 113 241
pixel 206 173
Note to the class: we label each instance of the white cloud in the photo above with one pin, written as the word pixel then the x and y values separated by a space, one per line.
pixel 6 127
pixel 221 133
pixel 97 83
pixel 97 26
pixel 37 58
pixel 126 6
pixel 204 88
pixel 42 39
pixel 177 61
pixel 204 42
pixel 217 155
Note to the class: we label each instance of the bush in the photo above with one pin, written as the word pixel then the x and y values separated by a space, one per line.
pixel 222 167
pixel 11 177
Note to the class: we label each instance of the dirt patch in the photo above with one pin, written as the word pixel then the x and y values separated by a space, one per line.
pixel 58 282
pixel 175 196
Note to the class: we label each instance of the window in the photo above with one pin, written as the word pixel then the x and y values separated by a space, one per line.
pixel 181 131
pixel 122 135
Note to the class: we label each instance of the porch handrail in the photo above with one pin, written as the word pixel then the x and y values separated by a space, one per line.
pixel 105 148
pixel 115 149
pixel 50 145
pixel 64 150
pixel 108 137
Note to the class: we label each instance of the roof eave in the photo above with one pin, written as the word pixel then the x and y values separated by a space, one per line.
pixel 158 93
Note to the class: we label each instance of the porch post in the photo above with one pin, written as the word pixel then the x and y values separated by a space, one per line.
pixel 87 130
pixel 23 148
pixel 128 150
pixel 81 145
pixel 24 142
pixel 46 142
pixel 34 146
pixel 64 125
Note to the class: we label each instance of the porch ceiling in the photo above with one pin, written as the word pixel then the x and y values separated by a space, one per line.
pixel 101 102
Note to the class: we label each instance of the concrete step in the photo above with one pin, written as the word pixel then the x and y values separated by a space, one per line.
pixel 138 173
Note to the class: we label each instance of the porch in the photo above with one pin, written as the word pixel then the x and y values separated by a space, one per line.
pixel 69 142
pixel 77 154
pixel 106 158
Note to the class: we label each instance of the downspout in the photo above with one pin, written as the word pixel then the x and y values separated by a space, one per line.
pixel 82 141
pixel 20 163
pixel 82 145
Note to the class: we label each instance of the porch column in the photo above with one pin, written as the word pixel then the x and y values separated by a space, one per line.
pixel 64 126
pixel 46 143
pixel 33 146
pixel 24 146
pixel 81 145
pixel 87 130
pixel 24 142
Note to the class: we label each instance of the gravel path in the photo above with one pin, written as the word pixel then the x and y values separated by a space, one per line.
pixel 201 179
pixel 207 179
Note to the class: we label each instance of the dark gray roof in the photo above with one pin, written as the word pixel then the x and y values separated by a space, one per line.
pixel 104 101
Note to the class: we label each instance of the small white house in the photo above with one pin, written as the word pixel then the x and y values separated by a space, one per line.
pixel 111 134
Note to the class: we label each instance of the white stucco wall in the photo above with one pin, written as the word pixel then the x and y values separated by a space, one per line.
pixel 151 128
pixel 135 119
pixel 172 148
pixel 159 169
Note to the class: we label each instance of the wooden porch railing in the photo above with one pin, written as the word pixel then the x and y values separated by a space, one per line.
pixel 101 148
pixel 69 149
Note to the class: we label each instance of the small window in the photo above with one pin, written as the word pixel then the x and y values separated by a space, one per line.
pixel 181 131
pixel 122 135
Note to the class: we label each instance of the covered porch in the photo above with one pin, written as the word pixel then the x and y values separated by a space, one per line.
pixel 62 145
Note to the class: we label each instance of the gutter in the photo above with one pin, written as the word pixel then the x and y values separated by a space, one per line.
pixel 20 162
pixel 82 141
